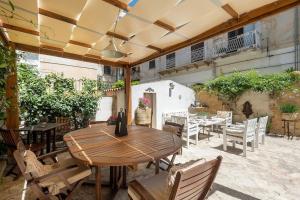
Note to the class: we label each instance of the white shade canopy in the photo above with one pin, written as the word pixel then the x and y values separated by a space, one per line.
pixel 148 28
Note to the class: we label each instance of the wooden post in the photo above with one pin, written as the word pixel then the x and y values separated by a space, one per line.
pixel 128 93
pixel 12 112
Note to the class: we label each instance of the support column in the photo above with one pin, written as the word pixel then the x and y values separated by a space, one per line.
pixel 12 111
pixel 128 93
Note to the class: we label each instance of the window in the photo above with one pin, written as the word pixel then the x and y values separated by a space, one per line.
pixel 170 60
pixel 197 52
pixel 107 70
pixel 234 41
pixel 152 64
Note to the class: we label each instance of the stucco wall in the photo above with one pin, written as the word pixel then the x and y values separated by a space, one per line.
pixel 182 97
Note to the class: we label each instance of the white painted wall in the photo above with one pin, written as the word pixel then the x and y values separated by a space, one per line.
pixel 182 97
pixel 104 109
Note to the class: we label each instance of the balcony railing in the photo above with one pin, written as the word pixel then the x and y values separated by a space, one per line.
pixel 170 63
pixel 241 42
pixel 197 55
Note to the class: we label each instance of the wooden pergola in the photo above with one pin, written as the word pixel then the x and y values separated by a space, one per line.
pixel 145 30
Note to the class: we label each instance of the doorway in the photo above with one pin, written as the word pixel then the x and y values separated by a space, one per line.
pixel 152 97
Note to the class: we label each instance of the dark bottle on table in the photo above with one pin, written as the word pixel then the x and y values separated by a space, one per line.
pixel 117 129
pixel 123 128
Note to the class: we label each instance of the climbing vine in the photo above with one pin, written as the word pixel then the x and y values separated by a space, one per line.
pixel 231 86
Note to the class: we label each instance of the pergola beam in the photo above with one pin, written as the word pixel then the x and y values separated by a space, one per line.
pixel 20 29
pixel 230 11
pixel 116 35
pixel 165 26
pixel 57 16
pixel 52 52
pixel 246 18
pixel 118 4
pixel 128 100
pixel 80 44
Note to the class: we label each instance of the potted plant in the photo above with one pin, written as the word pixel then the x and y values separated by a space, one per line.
pixel 112 120
pixel 143 112
pixel 289 111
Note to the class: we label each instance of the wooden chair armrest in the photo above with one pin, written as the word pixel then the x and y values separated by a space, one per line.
pixel 143 192
pixel 56 173
pixel 52 154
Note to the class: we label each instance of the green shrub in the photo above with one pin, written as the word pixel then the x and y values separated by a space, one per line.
pixel 121 84
pixel 234 85
pixel 55 96
pixel 289 108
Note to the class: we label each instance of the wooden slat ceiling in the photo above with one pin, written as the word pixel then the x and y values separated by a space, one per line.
pixel 150 28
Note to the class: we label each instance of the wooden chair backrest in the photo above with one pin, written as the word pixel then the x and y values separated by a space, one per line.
pixel 179 127
pixel 195 182
pixel 262 125
pixel 10 138
pixel 250 127
pixel 179 120
pixel 19 154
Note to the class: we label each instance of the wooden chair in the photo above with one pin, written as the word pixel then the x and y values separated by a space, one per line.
pixel 175 129
pixel 67 124
pixel 47 181
pixel 241 133
pixel 190 128
pixel 11 139
pixel 191 182
pixel 261 130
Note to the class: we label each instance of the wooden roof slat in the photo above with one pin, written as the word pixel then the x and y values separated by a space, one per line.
pixel 165 26
pixel 20 29
pixel 154 48
pixel 230 11
pixel 80 44
pixel 52 52
pixel 118 4
pixel 51 48
pixel 250 17
pixel 57 16
pixel 116 35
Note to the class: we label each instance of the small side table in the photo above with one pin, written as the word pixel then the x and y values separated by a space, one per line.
pixel 286 128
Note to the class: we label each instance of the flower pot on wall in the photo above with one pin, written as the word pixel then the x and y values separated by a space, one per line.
pixel 289 116
pixel 143 116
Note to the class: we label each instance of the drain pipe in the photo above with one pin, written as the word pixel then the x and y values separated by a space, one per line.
pixel 296 38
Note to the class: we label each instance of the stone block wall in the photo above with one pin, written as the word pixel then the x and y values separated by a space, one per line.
pixel 262 104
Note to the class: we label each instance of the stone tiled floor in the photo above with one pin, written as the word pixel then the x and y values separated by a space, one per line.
pixel 272 172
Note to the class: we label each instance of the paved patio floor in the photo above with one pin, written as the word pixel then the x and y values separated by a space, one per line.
pixel 272 172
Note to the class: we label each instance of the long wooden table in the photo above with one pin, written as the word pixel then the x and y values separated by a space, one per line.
pixel 98 146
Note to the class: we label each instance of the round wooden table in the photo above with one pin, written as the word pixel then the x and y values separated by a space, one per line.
pixel 98 146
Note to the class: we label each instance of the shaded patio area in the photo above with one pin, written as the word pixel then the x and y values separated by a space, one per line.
pixel 271 172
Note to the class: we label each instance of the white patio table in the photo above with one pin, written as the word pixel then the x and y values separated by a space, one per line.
pixel 207 123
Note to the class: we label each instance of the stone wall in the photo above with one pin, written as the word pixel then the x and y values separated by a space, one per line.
pixel 262 104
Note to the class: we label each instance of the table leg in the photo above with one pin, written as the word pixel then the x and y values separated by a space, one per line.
pixel 156 166
pixel 98 183
pixel 288 129
pixel 54 140
pixel 42 141
pixel 34 138
pixel 124 177
pixel 28 137
pixel 48 136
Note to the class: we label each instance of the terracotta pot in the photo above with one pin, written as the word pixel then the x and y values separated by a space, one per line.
pixel 143 116
pixel 289 116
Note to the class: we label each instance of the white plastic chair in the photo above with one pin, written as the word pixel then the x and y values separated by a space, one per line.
pixel 190 128
pixel 242 134
pixel 261 130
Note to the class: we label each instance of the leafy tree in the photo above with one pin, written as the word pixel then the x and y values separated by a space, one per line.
pixel 55 96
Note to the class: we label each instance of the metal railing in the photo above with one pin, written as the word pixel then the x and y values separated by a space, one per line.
pixel 170 63
pixel 197 55
pixel 241 42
